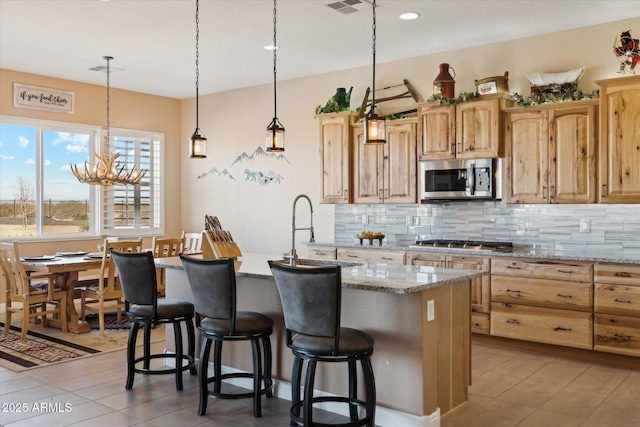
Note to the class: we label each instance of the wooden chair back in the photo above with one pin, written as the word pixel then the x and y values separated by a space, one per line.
pixel 108 284
pixel 164 247
pixel 16 277
pixel 192 242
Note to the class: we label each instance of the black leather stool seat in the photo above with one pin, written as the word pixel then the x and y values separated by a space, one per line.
pixel 311 301
pixel 213 285
pixel 137 275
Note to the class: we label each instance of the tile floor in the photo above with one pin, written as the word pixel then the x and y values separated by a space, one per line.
pixel 510 388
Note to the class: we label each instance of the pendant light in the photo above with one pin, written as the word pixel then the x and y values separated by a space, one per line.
pixel 107 170
pixel 197 142
pixel 275 130
pixel 374 125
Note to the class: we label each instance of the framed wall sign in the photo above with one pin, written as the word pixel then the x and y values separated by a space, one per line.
pixel 487 88
pixel 43 98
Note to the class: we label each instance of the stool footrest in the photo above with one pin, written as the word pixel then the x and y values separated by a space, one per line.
pixel 186 358
pixel 298 420
pixel 267 386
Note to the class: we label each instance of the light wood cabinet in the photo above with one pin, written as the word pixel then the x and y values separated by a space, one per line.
pixel 545 301
pixel 480 286
pixel 619 140
pixel 469 130
pixel 617 308
pixel 371 255
pixel 386 173
pixel 321 253
pixel 335 156
pixel 550 153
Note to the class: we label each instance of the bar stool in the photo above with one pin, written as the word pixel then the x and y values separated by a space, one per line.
pixel 213 284
pixel 311 301
pixel 137 275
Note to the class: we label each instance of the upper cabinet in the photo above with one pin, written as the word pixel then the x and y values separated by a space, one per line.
pixel 335 156
pixel 619 140
pixel 386 173
pixel 469 130
pixel 550 153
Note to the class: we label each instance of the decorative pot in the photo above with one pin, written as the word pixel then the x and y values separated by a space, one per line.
pixel 444 84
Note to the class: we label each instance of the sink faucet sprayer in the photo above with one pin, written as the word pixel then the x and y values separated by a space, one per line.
pixel 293 256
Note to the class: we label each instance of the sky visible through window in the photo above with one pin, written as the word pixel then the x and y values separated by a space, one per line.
pixel 18 157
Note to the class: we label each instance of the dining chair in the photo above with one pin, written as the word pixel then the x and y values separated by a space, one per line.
pixel 311 304
pixel 32 298
pixel 164 247
pixel 105 293
pixel 137 275
pixel 213 285
pixel 192 242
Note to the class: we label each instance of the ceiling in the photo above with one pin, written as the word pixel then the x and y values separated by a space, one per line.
pixel 153 41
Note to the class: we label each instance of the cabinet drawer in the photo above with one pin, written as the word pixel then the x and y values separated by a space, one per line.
pixel 617 299
pixel 543 269
pixel 617 274
pixel 480 323
pixel 322 253
pixel 373 255
pixel 547 325
pixel 617 334
pixel 546 293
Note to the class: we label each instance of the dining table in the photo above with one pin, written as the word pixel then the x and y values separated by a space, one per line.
pixel 67 265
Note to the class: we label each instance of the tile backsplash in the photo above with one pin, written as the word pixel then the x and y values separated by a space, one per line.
pixel 590 228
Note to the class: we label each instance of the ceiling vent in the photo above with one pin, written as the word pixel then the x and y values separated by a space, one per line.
pixel 349 6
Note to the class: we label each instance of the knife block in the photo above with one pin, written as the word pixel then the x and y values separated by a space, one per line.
pixel 213 249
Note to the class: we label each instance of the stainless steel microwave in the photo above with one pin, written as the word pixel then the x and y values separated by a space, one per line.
pixel 459 179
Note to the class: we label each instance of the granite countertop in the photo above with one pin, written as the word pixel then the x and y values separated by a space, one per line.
pixel 369 276
pixel 517 252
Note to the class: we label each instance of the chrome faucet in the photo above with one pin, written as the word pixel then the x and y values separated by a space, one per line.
pixel 293 256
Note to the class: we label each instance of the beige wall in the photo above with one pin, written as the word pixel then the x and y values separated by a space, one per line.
pixel 259 216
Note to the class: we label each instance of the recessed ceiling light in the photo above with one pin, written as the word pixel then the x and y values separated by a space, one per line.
pixel 270 47
pixel 409 16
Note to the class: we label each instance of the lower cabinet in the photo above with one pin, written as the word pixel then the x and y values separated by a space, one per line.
pixel 371 255
pixel 480 286
pixel 542 300
pixel 321 253
pixel 617 309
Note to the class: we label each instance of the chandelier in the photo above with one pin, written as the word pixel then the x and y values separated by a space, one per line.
pixel 197 142
pixel 275 130
pixel 107 170
pixel 374 125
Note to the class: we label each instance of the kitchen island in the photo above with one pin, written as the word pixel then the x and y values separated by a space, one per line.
pixel 419 317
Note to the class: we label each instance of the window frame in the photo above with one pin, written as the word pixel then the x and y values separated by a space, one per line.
pixel 97 134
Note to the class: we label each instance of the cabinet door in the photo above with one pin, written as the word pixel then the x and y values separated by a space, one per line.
pixel 368 165
pixel 335 149
pixel 478 129
pixel 480 286
pixel 619 140
pixel 527 156
pixel 400 163
pixel 437 132
pixel 572 144
pixel 429 259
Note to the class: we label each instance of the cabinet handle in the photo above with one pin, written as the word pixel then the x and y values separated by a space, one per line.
pixel 453 148
pixel 604 190
pixel 386 258
pixel 543 190
pixel 560 270
pixel 561 329
pixel 513 291
pixel 381 194
pixel 346 195
pixel 626 301
pixel 564 296
pixel 622 338
pixel 441 263
pixel 513 267
pixel 513 321
pixel 552 192
pixel 352 256
pixel 459 147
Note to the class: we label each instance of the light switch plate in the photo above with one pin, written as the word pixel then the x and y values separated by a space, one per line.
pixel 431 315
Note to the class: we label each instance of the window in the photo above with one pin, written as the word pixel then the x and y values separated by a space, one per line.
pixel 40 197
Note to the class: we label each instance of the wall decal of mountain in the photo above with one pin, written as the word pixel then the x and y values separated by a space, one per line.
pixel 259 152
pixel 214 171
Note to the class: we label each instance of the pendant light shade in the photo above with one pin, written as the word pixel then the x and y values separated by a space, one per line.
pixel 374 126
pixel 275 130
pixel 197 142
pixel 107 170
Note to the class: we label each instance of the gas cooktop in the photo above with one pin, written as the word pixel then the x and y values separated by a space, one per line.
pixel 465 244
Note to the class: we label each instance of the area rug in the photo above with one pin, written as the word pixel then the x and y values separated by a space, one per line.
pixel 110 321
pixel 46 346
